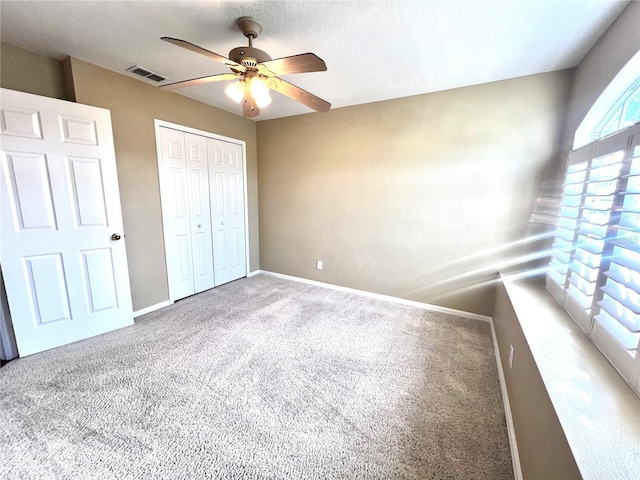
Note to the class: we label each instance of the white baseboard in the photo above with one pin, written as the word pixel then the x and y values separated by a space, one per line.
pixel 513 444
pixel 152 308
pixel 379 296
pixel 254 273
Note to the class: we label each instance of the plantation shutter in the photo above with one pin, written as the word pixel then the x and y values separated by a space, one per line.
pixel 620 305
pixel 594 271
pixel 567 224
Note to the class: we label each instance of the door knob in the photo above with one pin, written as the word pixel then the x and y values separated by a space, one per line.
pixel 115 236
pixel 221 223
pixel 199 225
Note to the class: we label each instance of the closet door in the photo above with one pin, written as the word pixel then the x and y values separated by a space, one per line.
pixel 186 214
pixel 227 210
pixel 200 212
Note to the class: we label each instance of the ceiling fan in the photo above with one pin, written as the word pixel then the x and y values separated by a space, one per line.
pixel 254 72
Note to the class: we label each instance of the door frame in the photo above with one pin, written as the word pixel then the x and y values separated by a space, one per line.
pixel 162 181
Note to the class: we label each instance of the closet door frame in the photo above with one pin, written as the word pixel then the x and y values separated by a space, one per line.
pixel 163 200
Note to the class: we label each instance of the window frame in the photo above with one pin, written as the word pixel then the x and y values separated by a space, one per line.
pixel 619 105
pixel 565 245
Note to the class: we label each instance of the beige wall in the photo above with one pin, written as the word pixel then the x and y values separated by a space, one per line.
pixel 403 197
pixel 542 446
pixel 134 105
pixel 29 72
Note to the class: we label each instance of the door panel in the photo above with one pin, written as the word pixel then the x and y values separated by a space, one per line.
pixel 196 193
pixel 98 266
pixel 220 193
pixel 234 190
pixel 200 245
pixel 177 187
pixel 223 261
pixel 227 207
pixel 184 260
pixel 28 191
pixel 177 224
pixel 236 242
pixel 48 292
pixel 78 130
pixel 187 220
pixel 20 122
pixel 66 279
pixel 200 212
pixel 88 192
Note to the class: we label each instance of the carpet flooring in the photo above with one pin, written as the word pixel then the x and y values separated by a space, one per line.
pixel 262 378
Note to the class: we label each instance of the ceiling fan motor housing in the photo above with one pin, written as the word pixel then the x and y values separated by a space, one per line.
pixel 248 56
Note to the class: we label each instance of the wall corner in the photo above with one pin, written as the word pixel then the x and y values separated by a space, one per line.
pixel 67 79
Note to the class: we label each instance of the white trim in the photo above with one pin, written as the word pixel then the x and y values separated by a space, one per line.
pixel 152 308
pixel 379 296
pixel 254 273
pixel 195 131
pixel 511 431
pixel 162 123
pixel 245 174
pixel 161 181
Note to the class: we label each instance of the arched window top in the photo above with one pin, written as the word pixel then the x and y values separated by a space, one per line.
pixel 618 107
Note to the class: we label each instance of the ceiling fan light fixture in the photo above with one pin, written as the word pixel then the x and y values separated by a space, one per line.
pixel 235 91
pixel 249 64
pixel 260 92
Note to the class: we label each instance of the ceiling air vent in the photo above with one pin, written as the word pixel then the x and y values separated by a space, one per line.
pixel 144 72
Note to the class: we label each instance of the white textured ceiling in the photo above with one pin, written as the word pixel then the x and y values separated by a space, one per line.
pixel 373 50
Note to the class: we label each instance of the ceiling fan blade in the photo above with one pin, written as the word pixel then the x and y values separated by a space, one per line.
pixel 203 51
pixel 298 94
pixel 303 63
pixel 199 81
pixel 249 107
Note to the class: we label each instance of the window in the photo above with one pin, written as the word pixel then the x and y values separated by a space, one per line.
pixel 624 113
pixel 595 265
pixel 617 108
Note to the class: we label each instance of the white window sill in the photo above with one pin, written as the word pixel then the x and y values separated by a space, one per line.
pixel 598 411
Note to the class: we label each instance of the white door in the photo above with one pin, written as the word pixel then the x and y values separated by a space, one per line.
pixel 62 244
pixel 226 182
pixel 185 192
pixel 197 167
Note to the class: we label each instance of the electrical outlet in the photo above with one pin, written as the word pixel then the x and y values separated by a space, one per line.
pixel 319 264
pixel 512 351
